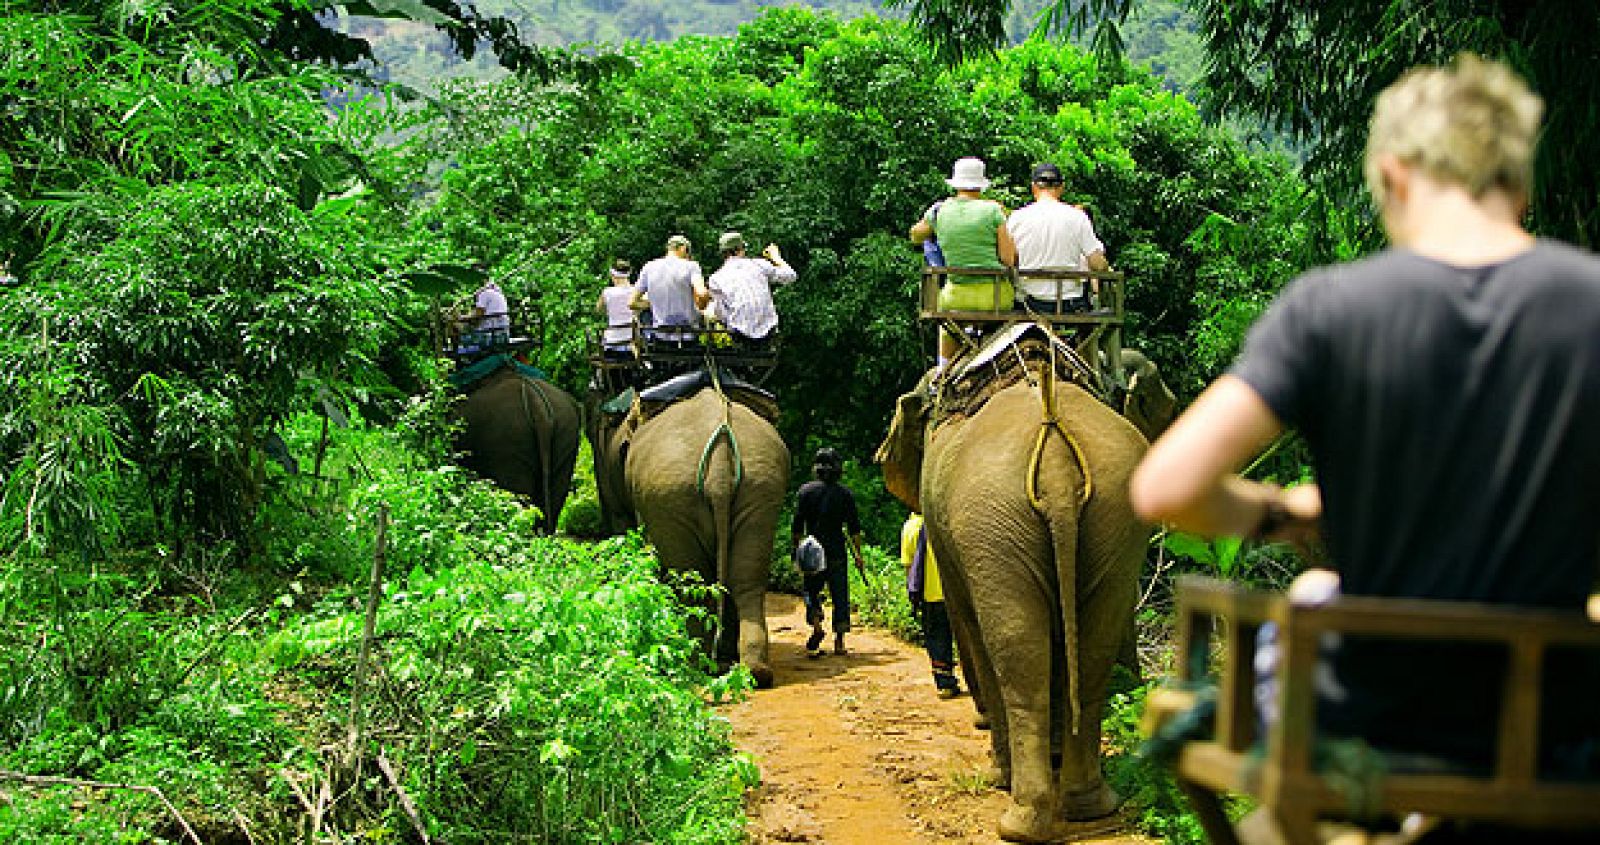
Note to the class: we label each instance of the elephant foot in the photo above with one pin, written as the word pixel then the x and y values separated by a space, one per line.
pixel 1096 802
pixel 999 778
pixel 1021 824
pixel 763 676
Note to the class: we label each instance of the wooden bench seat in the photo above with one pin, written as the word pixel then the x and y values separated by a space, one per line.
pixel 1279 771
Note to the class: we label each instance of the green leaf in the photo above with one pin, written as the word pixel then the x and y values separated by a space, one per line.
pixel 1197 549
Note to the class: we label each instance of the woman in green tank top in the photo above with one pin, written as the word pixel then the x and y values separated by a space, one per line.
pixel 972 233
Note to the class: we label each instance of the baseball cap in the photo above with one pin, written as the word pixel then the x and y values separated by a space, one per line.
pixel 730 241
pixel 1047 174
pixel 677 241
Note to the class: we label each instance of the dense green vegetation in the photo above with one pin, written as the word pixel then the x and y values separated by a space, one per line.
pixel 217 373
pixel 1160 33
pixel 829 138
pixel 518 687
pixel 1313 70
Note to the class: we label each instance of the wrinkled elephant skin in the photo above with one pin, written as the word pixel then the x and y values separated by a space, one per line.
pixel 1148 403
pixel 709 508
pixel 1041 595
pixel 522 434
pixel 608 446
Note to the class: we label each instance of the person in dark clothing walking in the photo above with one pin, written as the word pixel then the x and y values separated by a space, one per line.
pixel 826 510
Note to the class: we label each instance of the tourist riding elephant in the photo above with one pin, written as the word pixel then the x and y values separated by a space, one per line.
pixel 706 477
pixel 1025 497
pixel 521 432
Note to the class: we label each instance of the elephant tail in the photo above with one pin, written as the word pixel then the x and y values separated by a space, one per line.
pixel 1061 510
pixel 720 498
pixel 542 431
pixel 1062 518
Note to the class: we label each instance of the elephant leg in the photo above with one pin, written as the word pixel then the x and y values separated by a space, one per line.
pixel 977 668
pixel 1012 610
pixel 1112 550
pixel 746 598
pixel 677 535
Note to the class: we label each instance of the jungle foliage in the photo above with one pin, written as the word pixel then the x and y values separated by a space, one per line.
pixel 519 687
pixel 830 138
pixel 1313 70
pixel 220 276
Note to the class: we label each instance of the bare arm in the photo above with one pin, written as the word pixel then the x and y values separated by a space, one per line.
pixel 1099 264
pixel 1188 478
pixel 921 231
pixel 638 301
pixel 1005 246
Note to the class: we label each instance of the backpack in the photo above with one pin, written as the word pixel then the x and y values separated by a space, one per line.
pixel 932 253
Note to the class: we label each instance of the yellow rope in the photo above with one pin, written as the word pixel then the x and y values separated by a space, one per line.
pixel 1051 422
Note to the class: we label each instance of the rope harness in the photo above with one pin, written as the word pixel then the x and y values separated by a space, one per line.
pixel 726 428
pixel 1052 422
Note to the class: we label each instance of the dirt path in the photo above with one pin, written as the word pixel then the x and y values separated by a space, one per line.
pixel 858 749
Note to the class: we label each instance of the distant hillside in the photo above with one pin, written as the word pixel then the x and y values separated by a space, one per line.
pixel 1160 33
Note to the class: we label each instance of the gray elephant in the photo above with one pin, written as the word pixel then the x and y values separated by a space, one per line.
pixel 606 425
pixel 521 432
pixel 706 475
pixel 1023 482
pixel 1147 403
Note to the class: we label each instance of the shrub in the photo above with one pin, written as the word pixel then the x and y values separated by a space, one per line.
pixel 520 687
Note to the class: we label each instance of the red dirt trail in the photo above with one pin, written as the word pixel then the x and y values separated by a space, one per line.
pixel 857 749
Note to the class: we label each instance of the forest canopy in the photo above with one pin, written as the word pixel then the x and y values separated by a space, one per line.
pixel 830 138
pixel 1314 69
pixel 219 371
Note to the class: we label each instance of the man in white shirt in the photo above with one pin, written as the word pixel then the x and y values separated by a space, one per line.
pixel 1053 235
pixel 741 289
pixel 669 286
pixel 489 324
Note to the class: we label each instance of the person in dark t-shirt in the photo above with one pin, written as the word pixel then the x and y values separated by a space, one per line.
pixel 1449 390
pixel 826 510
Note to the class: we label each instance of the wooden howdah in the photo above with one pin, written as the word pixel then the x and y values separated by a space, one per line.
pixel 1217 624
pixel 1096 335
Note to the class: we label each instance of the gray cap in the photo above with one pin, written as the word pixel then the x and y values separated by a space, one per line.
pixel 676 241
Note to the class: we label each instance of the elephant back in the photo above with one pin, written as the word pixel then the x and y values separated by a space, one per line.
pixel 1006 358
pixel 653 400
pixel 477 374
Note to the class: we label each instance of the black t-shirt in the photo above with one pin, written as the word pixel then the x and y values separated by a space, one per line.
pixel 1453 415
pixel 824 510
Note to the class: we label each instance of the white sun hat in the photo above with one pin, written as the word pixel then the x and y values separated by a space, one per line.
pixel 967 175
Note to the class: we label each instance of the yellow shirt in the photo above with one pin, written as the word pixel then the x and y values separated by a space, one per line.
pixel 932 589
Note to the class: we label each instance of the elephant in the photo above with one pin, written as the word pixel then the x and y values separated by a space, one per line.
pixel 706 476
pixel 521 432
pixel 1025 497
pixel 606 427
pixel 1147 403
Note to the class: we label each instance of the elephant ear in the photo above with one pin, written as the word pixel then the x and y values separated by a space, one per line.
pixel 1149 403
pixel 900 454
